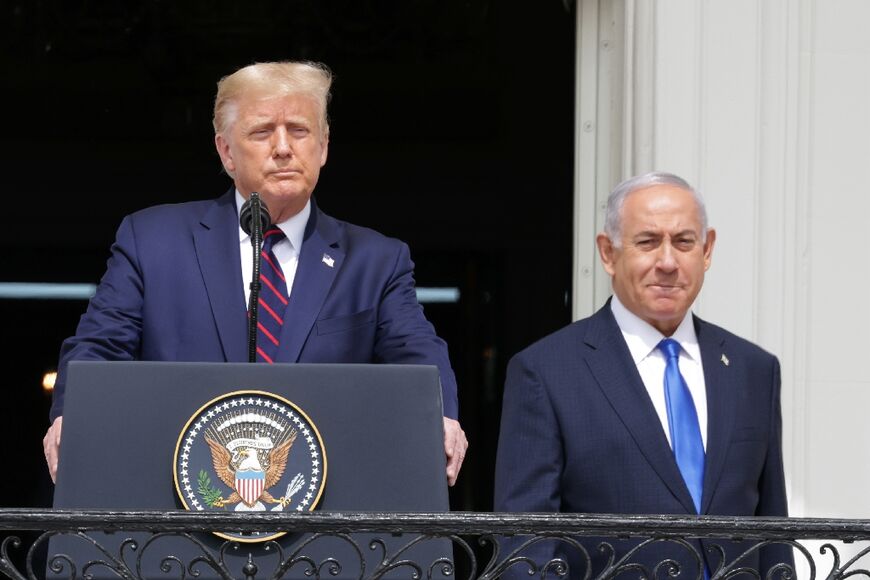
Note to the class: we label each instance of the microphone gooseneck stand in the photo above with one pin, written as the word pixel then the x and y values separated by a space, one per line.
pixel 254 219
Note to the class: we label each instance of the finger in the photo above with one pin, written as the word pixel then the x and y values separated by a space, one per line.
pixel 51 459
pixel 451 435
pixel 51 447
pixel 454 465
pixel 455 445
pixel 452 471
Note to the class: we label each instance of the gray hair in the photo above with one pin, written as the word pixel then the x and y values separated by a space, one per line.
pixel 617 197
pixel 272 79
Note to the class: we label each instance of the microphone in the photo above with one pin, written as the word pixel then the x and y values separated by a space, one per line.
pixel 254 219
pixel 254 205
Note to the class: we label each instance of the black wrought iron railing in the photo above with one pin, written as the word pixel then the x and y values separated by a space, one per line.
pixel 178 544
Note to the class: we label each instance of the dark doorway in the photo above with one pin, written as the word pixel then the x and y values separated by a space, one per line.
pixel 451 128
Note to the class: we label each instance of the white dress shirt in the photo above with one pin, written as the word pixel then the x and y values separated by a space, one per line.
pixel 287 250
pixel 642 340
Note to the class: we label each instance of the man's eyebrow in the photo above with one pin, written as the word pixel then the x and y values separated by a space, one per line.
pixel 259 122
pixel 647 234
pixel 298 122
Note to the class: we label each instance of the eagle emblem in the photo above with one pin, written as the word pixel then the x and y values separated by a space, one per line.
pixel 250 451
pixel 250 467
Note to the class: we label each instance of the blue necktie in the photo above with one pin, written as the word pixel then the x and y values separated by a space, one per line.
pixel 273 299
pixel 683 422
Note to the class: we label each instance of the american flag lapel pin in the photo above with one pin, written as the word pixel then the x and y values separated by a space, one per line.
pixel 725 360
pixel 329 260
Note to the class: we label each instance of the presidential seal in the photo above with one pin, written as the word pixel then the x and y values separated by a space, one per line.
pixel 250 451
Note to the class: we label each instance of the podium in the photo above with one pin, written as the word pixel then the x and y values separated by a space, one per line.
pixel 380 425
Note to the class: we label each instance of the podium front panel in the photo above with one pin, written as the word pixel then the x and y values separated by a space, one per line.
pixel 381 427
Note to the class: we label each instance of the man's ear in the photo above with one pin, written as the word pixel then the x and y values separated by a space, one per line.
pixel 324 148
pixel 607 251
pixel 223 148
pixel 708 248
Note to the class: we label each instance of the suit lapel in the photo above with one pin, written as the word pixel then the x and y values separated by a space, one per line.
pixel 617 376
pixel 319 262
pixel 721 405
pixel 217 250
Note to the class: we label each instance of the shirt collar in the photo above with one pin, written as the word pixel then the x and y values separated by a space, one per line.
pixel 293 228
pixel 643 338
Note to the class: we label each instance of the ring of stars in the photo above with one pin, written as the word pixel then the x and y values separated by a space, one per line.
pixel 257 403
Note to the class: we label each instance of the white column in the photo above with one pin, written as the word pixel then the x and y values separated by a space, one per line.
pixel 764 105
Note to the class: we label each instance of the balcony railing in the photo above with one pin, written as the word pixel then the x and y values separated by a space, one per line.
pixel 36 544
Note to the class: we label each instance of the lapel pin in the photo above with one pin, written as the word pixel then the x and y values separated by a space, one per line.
pixel 330 261
pixel 725 360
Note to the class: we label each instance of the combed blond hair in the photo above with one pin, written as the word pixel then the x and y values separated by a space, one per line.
pixel 272 79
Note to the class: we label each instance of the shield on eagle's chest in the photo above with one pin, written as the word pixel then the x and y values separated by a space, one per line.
pixel 249 484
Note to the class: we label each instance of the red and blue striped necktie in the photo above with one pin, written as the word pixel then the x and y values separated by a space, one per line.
pixel 273 299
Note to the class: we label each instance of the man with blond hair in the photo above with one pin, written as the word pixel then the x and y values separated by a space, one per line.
pixel 177 283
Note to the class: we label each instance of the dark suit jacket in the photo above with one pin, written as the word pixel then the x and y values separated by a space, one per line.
pixel 173 292
pixel 580 434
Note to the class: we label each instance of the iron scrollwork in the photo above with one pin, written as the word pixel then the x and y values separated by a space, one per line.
pixel 180 545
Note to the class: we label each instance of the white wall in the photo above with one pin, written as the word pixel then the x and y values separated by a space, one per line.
pixel 764 105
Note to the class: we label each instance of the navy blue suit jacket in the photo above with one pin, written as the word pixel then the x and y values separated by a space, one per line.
pixel 173 291
pixel 579 433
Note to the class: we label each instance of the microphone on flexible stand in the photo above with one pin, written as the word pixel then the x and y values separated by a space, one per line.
pixel 254 219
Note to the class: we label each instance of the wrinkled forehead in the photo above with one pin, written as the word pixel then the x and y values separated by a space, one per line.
pixel 661 207
pixel 261 103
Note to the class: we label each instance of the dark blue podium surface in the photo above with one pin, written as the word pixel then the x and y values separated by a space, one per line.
pixel 381 428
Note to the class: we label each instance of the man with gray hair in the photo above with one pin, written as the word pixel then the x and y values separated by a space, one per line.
pixel 178 280
pixel 644 408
